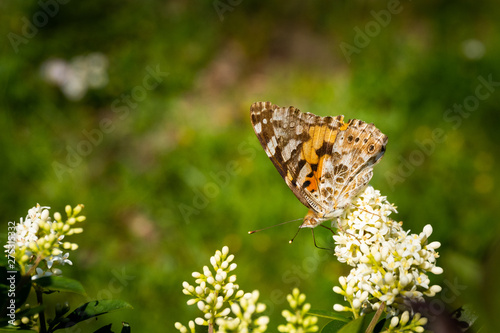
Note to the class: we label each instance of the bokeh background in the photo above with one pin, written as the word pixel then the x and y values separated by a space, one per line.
pixel 140 111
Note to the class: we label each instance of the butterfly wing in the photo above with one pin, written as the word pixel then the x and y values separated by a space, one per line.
pixel 349 166
pixel 298 144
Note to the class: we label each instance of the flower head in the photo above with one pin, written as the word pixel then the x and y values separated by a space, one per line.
pixel 246 316
pixel 389 264
pixel 217 296
pixel 37 241
pixel 297 319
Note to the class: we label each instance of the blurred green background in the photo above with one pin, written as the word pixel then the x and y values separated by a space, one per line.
pixel 160 148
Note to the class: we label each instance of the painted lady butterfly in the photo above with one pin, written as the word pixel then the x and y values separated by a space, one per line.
pixel 323 160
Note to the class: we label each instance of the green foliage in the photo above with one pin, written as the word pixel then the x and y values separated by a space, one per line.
pixel 358 325
pixel 334 316
pixel 193 130
pixel 87 311
pixel 60 283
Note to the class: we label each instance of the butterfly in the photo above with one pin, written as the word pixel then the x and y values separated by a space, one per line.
pixel 325 161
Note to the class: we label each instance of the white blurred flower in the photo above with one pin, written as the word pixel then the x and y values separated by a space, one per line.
pixel 473 49
pixel 75 77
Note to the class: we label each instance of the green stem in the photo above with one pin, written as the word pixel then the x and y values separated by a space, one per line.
pixel 39 298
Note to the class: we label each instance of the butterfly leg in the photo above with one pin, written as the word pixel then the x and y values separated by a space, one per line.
pixel 314 240
pixel 364 210
pixel 324 226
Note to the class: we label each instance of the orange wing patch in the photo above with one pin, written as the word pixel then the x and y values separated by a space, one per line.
pixel 344 126
pixel 312 180
pixel 318 136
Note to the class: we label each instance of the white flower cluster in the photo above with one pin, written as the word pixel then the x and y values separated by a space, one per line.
pixel 298 320
pixel 74 78
pixel 37 239
pixel 216 295
pixel 390 264
pixel 244 312
pixel 404 324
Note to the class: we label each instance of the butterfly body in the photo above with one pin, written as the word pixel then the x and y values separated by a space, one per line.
pixel 325 161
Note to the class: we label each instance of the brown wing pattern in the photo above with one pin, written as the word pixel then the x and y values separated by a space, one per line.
pixel 357 149
pixel 323 160
pixel 290 139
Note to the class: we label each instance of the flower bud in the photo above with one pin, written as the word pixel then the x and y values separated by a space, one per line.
pixel 340 308
pixel 201 305
pixel 68 210
pixel 433 245
pixel 428 230
pixel 77 209
pixel 45 215
pixel 338 290
pixel 404 318
pixel 437 270
pixel 394 321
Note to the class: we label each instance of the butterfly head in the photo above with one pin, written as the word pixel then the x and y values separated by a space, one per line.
pixel 313 218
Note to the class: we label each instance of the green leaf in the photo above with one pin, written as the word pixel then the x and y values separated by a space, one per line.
pixel 105 329
pixel 466 316
pixel 90 310
pixel 329 314
pixel 354 326
pixel 201 329
pixel 358 325
pixel 60 283
pixel 333 327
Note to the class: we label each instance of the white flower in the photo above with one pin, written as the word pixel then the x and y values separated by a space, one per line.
pixel 74 78
pixel 247 318
pixel 217 296
pixel 389 264
pixel 37 237
pixel 298 320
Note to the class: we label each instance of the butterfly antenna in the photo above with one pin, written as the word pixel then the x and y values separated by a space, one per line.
pixel 291 240
pixel 254 231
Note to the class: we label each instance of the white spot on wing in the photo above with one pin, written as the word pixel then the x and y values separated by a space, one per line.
pixel 258 128
pixel 306 169
pixel 289 148
pixel 271 146
pixel 299 129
